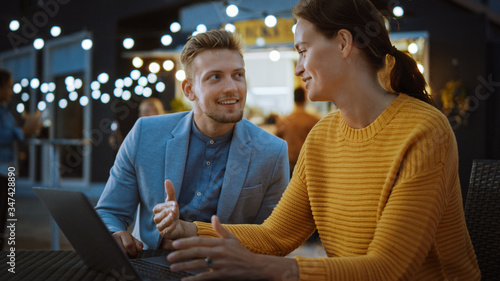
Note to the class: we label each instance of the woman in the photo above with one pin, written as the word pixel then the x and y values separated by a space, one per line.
pixel 378 178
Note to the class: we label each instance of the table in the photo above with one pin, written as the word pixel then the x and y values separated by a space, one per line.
pixel 54 265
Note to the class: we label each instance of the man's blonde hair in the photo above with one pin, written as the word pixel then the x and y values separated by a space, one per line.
pixel 211 40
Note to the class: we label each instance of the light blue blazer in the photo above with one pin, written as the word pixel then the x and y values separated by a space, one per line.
pixel 156 149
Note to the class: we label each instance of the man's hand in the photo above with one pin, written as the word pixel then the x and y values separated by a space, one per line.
pixel 129 243
pixel 167 215
pixel 32 123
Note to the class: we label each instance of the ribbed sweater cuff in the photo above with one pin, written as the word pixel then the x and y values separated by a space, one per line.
pixel 205 229
pixel 311 269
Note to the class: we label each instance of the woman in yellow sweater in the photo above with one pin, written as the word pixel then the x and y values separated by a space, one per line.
pixel 378 178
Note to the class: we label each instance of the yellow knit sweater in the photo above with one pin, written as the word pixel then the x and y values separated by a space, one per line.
pixel 385 199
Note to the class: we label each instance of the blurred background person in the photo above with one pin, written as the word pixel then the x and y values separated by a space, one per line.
pixel 148 107
pixel 294 128
pixel 9 134
pixel 151 107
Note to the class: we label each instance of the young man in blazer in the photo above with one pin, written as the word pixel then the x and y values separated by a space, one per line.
pixel 218 162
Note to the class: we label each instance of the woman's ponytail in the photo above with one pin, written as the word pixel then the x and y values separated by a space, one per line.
pixel 406 78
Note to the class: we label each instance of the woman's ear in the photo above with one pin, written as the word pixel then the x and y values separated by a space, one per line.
pixel 187 88
pixel 346 42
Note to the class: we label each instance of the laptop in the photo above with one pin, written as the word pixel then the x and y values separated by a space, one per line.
pixel 91 239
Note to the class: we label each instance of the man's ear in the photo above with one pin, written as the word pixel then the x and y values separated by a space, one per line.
pixel 345 42
pixel 187 88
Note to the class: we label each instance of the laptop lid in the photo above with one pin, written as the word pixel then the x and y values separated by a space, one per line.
pixel 82 226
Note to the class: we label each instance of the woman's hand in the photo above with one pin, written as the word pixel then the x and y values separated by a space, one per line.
pixel 227 259
pixel 167 217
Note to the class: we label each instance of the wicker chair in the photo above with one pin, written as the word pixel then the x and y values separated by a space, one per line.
pixel 482 213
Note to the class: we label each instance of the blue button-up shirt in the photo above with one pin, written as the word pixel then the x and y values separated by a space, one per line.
pixel 203 175
pixel 9 133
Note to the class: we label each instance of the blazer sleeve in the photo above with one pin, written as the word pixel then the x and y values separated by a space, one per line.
pixel 118 202
pixel 279 179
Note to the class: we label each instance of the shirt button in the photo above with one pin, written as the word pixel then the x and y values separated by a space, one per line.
pixel 212 142
pixel 208 163
pixel 198 194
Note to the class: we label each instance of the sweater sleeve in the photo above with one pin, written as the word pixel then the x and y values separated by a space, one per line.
pixel 288 226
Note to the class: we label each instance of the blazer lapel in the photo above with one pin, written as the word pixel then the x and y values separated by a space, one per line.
pixel 176 152
pixel 236 169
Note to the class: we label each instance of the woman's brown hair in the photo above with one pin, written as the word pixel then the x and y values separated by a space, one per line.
pixel 367 26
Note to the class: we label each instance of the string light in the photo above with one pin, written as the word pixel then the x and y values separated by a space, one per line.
pixel 73 96
pixel 201 28
pixel 413 48
pixel 398 11
pixel 126 95
pixel 119 83
pixel 78 83
pixel 270 21
pixel 152 78
pixel 138 90
pixel 175 27
pixel 17 88
pixel 168 65
pixel 180 75
pixel 127 82
pixel 87 44
pixel 117 92
pixel 105 98
pixel 147 92
pixel 50 97
pixel 128 43
pixel 154 67
pixel 135 74
pixel 96 94
pixel 137 62
pixel 160 87
pixel 25 82
pixel 34 83
pixel 230 27
pixel 166 40
pixel 143 81
pixel 95 85
pixel 20 108
pixel 103 78
pixel 63 103
pixel 42 106
pixel 38 43
pixel 274 55
pixel 232 10
pixel 25 97
pixel 84 100
pixel 55 31
pixel 14 26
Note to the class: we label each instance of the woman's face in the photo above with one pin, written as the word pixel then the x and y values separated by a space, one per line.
pixel 320 61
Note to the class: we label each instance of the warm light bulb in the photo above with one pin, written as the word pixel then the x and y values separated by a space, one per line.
pixel 270 21
pixel 175 27
pixel 232 10
pixel 14 26
pixel 128 43
pixel 137 62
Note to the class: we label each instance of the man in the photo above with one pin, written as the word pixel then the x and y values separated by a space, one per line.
pixel 9 134
pixel 295 127
pixel 217 162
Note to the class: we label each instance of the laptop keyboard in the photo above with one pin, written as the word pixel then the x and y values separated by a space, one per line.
pixel 156 270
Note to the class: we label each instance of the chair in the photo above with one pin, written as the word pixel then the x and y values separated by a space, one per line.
pixel 482 214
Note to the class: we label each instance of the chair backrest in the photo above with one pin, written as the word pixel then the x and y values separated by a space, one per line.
pixel 482 213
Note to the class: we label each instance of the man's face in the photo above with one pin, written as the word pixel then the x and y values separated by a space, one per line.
pixel 218 87
pixel 6 91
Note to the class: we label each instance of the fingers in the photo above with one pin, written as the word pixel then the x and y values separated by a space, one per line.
pixel 127 241
pixel 169 188
pixel 138 244
pixel 219 229
pixel 190 253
